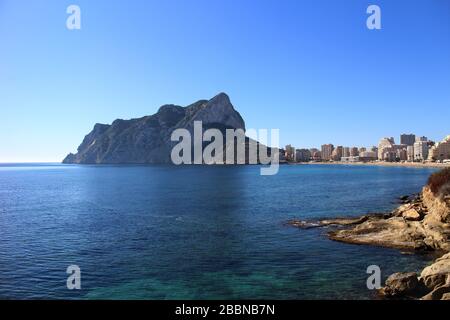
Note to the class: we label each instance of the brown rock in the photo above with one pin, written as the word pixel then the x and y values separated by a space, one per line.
pixel 437 205
pixel 434 280
pixel 401 284
pixel 403 198
pixel 418 226
pixel 446 296
pixel 438 293
pixel 411 215
pixel 399 211
pixel 437 274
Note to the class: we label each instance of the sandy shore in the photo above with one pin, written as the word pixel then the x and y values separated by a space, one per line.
pixel 383 164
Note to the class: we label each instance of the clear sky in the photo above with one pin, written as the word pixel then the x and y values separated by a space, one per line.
pixel 310 68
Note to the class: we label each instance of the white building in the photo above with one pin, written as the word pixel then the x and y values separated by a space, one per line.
pixel 420 151
pixel 368 156
pixel 384 146
pixel 350 159
pixel 410 153
pixel 440 151
pixel 423 138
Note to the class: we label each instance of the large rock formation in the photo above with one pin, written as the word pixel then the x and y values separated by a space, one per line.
pixel 422 223
pixel 402 284
pixel 147 139
pixel 432 284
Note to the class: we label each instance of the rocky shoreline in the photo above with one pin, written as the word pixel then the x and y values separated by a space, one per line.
pixel 420 224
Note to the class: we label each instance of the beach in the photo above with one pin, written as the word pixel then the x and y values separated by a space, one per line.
pixel 383 164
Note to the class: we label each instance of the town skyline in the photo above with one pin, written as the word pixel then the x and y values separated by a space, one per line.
pixel 410 147
pixel 324 76
pixel 395 136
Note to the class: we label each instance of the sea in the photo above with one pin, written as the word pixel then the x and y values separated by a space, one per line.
pixel 193 232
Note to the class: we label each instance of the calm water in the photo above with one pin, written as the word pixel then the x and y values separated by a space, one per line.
pixel 160 232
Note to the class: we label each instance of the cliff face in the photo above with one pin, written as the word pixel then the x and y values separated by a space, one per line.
pixel 437 204
pixel 147 139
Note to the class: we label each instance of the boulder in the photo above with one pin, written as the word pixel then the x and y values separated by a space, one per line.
pixel 401 284
pixel 411 215
pixel 445 296
pixel 401 209
pixel 437 274
pixel 438 293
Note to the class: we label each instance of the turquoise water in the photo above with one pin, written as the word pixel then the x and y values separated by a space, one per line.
pixel 193 232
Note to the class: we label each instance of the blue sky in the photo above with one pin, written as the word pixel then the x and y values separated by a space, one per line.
pixel 310 68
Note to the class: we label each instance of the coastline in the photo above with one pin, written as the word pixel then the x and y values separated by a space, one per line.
pixel 420 224
pixel 381 164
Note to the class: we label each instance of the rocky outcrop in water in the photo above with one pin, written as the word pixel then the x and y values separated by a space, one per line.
pixel 419 224
pixel 422 224
pixel 147 139
pixel 433 283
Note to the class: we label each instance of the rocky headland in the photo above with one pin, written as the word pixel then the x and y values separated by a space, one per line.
pixel 421 223
pixel 147 140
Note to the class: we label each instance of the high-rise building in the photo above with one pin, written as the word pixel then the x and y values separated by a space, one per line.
pixel 420 151
pixel 354 152
pixel 346 152
pixel 367 156
pixel 337 153
pixel 410 153
pixel 407 139
pixel 327 150
pixel 290 153
pixel 423 138
pixel 385 145
pixel 302 155
pixel 389 155
pixel 374 149
pixel 316 155
pixel 362 149
pixel 440 151
pixel 402 154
